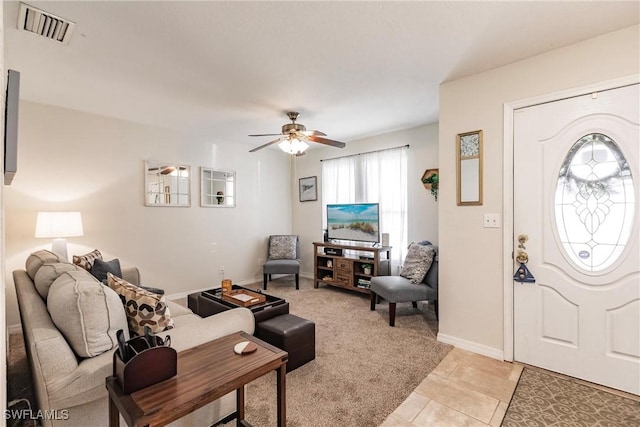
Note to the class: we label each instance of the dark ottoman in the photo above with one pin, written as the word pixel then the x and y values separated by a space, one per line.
pixel 293 334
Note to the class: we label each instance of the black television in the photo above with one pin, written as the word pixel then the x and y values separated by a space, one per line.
pixel 358 222
pixel 11 106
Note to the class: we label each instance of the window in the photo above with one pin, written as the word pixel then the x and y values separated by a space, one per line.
pixel 594 202
pixel 375 177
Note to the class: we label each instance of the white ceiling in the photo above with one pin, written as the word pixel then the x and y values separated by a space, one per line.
pixel 227 69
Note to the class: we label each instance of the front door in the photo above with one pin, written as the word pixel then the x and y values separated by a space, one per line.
pixel 576 199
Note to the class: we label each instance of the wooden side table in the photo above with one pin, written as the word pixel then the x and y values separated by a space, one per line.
pixel 205 373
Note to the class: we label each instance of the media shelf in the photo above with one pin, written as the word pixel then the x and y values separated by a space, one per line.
pixel 344 266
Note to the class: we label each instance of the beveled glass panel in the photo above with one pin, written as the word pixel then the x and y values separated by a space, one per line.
pixel 594 202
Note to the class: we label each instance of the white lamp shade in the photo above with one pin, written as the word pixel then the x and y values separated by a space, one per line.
pixel 59 224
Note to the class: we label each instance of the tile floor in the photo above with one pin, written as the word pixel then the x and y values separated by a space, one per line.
pixel 465 389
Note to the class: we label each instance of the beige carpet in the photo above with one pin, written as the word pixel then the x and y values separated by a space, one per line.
pixel 545 399
pixel 364 369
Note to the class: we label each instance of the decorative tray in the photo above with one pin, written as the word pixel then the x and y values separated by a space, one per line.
pixel 243 297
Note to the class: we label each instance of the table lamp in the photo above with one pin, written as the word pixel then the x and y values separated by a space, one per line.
pixel 57 226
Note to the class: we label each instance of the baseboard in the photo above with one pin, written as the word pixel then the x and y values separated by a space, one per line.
pixel 474 347
pixel 15 329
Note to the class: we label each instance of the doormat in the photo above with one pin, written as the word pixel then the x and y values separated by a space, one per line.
pixel 544 399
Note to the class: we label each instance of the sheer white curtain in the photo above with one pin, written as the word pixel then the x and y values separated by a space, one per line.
pixel 376 177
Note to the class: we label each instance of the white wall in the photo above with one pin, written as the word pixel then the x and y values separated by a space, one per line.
pixel 69 160
pixel 422 207
pixel 471 257
pixel 3 319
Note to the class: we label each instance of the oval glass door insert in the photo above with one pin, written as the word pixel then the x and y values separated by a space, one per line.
pixel 594 202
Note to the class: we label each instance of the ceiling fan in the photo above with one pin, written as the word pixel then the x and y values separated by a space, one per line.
pixel 294 136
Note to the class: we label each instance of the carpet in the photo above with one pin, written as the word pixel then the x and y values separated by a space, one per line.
pixel 20 395
pixel 546 399
pixel 364 369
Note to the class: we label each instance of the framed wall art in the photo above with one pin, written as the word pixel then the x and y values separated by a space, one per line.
pixel 308 189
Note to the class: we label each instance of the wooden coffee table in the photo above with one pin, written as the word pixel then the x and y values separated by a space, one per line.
pixel 205 373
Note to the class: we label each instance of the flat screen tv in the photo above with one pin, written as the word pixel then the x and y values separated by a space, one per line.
pixel 358 222
pixel 11 126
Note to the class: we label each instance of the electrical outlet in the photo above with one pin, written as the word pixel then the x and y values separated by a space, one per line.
pixel 492 220
pixel 221 270
pixel 260 262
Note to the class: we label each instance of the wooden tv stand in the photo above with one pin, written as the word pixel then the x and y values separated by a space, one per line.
pixel 345 267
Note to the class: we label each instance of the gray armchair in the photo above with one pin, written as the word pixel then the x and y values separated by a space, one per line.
pixel 283 257
pixel 397 289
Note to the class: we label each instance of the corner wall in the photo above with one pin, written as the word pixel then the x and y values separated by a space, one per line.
pixel 421 205
pixel 69 160
pixel 471 257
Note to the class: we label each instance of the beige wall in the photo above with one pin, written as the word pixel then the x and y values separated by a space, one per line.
pixel 69 160
pixel 422 207
pixel 471 257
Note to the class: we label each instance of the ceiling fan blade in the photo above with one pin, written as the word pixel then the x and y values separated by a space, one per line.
pixel 326 141
pixel 313 133
pixel 267 134
pixel 265 145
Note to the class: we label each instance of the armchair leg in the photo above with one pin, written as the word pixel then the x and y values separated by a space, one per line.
pixel 374 298
pixel 435 305
pixel 297 281
pixel 392 314
pixel 264 282
pixel 414 304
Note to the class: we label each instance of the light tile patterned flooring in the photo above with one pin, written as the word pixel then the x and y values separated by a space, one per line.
pixel 465 389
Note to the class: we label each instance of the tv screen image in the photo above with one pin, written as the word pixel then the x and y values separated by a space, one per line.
pixel 354 221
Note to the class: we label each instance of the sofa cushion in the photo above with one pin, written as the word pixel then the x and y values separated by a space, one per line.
pixel 38 258
pixel 282 247
pixel 143 308
pixel 48 273
pixel 87 313
pixel 86 261
pixel 100 268
pixel 417 262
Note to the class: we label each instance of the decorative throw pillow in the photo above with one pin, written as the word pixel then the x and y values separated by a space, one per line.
pixel 143 308
pixel 38 259
pixel 157 291
pixel 417 263
pixel 282 247
pixel 100 268
pixel 87 313
pixel 86 261
pixel 48 273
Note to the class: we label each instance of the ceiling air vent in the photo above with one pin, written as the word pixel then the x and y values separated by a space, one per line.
pixel 44 24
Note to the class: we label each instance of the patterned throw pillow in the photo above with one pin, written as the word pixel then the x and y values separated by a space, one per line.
pixel 143 308
pixel 86 261
pixel 417 263
pixel 282 247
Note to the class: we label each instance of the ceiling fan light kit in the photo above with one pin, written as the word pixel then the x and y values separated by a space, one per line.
pixel 294 137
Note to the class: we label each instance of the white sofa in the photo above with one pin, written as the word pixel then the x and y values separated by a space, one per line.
pixel 74 387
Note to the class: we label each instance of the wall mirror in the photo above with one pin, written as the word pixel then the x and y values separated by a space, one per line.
pixel 469 159
pixel 217 188
pixel 167 184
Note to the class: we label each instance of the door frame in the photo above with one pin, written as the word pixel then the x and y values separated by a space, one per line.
pixel 507 190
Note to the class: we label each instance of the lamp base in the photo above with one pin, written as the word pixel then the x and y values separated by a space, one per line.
pixel 59 247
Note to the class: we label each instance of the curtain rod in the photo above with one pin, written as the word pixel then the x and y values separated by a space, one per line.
pixel 366 152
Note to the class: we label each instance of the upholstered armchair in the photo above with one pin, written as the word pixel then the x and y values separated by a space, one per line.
pixel 418 281
pixel 283 257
